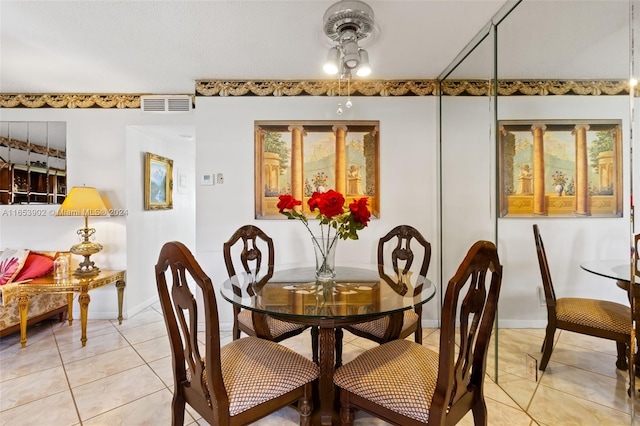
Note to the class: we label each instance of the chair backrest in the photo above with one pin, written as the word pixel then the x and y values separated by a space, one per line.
pixel 547 284
pixel 181 317
pixel 477 311
pixel 402 256
pixel 250 253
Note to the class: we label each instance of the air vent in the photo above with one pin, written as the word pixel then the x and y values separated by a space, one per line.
pixel 165 103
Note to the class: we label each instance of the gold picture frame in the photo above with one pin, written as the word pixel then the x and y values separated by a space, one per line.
pixel 158 182
pixel 300 157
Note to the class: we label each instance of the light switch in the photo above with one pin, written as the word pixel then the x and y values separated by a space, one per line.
pixel 220 178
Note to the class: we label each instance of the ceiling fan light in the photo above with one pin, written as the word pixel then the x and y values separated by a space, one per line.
pixel 331 64
pixel 364 69
pixel 351 57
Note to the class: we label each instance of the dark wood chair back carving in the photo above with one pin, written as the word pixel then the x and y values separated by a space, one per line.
pixel 461 379
pixel 251 250
pixel 438 388
pixel 220 384
pixel 181 317
pixel 250 239
pixel 402 256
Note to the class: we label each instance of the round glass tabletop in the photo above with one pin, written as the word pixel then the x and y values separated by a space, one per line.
pixel 617 269
pixel 355 292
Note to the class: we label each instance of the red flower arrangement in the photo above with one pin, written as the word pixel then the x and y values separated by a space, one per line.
pixel 331 210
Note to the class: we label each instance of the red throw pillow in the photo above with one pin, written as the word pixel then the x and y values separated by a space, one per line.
pixel 35 266
pixel 11 262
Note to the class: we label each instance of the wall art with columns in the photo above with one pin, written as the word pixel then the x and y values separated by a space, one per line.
pixel 560 168
pixel 301 157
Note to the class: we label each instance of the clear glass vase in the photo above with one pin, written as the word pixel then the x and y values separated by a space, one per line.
pixel 325 250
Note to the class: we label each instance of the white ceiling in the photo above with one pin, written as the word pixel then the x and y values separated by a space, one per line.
pixel 164 46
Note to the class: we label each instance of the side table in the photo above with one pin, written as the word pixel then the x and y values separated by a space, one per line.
pixel 73 284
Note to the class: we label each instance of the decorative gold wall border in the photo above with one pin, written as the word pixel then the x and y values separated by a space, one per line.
pixel 410 88
pixel 69 100
pixel 30 146
pixel 330 88
pixel 316 88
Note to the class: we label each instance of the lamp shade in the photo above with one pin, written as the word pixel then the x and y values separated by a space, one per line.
pixel 83 201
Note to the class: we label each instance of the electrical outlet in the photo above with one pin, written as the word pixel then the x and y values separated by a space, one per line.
pixel 532 367
pixel 220 178
pixel 541 297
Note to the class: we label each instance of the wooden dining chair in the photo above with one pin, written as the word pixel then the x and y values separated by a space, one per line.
pixel 405 383
pixel 401 258
pixel 593 317
pixel 245 249
pixel 235 384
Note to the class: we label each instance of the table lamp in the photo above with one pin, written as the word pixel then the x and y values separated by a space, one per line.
pixel 84 201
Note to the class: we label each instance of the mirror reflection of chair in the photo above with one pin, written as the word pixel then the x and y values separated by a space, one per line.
pixel 222 385
pixel 636 247
pixel 251 241
pixel 593 317
pixel 406 383
pixel 401 259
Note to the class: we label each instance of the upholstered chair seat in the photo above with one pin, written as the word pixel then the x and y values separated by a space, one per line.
pixel 379 326
pixel 594 313
pixel 278 329
pixel 415 367
pixel 255 371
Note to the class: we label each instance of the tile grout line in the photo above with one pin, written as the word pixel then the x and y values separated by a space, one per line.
pixel 73 398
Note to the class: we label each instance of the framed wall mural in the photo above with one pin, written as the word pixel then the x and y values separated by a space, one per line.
pixel 560 168
pixel 300 157
pixel 158 182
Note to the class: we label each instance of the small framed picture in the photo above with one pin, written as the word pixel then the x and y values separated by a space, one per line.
pixel 158 182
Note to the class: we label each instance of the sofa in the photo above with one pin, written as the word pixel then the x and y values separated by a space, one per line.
pixel 18 266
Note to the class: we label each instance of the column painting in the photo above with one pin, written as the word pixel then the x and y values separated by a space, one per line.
pixel 560 168
pixel 300 158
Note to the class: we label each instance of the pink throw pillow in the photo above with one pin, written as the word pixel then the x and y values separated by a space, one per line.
pixel 35 266
pixel 11 262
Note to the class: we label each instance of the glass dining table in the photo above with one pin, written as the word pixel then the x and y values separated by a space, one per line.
pixel 357 294
pixel 620 270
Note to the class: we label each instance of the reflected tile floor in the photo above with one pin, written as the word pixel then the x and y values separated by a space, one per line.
pixel 123 376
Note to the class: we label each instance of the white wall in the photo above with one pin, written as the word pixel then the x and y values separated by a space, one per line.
pixel 153 228
pixel 96 156
pixel 408 176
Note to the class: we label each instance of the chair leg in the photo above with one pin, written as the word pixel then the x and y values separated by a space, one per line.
pixel 547 347
pixel 346 411
pixel 314 344
pixel 479 413
pixel 305 406
pixel 236 329
pixel 621 362
pixel 177 408
pixel 339 335
pixel 419 334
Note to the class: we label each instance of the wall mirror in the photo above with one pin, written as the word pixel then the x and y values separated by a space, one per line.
pixel 466 126
pixel 33 164
pixel 558 61
pixel 552 61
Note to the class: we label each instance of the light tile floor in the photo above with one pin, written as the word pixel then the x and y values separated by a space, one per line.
pixel 123 376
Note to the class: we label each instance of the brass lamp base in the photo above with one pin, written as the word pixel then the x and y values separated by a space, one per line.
pixel 86 248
